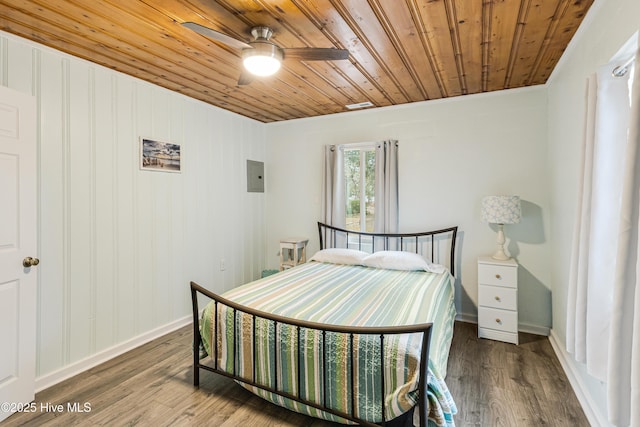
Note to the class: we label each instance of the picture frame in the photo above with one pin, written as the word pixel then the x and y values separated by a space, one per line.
pixel 160 156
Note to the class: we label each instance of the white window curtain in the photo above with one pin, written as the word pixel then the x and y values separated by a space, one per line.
pixel 333 187
pixel 603 312
pixel 386 187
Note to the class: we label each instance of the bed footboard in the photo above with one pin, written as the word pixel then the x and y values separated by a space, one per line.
pixel 279 322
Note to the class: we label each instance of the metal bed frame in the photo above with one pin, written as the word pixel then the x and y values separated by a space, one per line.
pixel 329 237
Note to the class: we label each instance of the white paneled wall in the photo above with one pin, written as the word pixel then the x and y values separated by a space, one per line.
pixel 119 245
pixel 452 153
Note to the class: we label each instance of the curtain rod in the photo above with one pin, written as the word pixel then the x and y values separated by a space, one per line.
pixel 621 70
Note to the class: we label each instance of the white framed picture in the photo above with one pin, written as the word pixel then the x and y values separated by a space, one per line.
pixel 159 156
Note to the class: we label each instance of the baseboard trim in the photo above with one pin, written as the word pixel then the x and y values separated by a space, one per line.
pixel 467 318
pixel 533 329
pixel 522 327
pixel 596 419
pixel 80 366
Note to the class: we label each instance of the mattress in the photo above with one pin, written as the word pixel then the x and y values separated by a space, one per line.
pixel 342 295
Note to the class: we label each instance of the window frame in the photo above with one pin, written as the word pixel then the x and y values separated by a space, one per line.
pixel 363 148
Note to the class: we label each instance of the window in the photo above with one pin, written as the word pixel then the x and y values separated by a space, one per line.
pixel 359 173
pixel 360 186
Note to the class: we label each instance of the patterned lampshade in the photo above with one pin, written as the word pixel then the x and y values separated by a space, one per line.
pixel 501 209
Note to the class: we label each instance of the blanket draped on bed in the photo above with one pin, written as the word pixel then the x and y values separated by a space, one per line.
pixel 341 295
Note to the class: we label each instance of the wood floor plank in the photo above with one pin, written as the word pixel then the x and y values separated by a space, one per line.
pixel 493 384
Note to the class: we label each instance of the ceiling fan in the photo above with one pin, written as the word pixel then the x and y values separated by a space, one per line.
pixel 262 57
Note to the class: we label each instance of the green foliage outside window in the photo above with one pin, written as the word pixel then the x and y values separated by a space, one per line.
pixel 358 201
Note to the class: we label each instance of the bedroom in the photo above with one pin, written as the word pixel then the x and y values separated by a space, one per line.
pixel 147 230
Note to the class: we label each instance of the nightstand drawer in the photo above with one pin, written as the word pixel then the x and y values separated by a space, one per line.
pixel 501 320
pixel 498 297
pixel 497 275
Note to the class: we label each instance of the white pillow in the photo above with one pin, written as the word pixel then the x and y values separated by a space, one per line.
pixel 398 260
pixel 340 256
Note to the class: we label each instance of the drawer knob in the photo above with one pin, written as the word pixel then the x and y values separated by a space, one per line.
pixel 497 298
pixel 498 320
pixel 498 277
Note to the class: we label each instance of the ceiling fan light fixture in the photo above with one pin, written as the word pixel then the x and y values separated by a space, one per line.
pixel 261 65
pixel 261 57
pixel 264 59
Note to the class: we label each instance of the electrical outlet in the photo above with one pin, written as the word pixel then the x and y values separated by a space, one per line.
pixel 222 265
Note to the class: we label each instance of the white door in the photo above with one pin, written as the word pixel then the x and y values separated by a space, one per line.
pixel 18 245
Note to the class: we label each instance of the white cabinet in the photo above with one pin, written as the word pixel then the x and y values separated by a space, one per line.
pixel 498 299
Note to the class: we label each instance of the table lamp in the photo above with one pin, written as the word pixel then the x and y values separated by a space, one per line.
pixel 501 210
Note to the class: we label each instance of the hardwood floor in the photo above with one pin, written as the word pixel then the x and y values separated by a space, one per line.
pixel 500 384
pixel 493 384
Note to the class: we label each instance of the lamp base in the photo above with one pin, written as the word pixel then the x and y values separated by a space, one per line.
pixel 500 255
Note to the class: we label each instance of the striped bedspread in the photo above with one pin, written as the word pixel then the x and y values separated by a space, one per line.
pixel 343 295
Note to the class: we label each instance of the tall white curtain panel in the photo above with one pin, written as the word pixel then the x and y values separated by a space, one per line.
pixel 603 313
pixel 333 187
pixel 386 187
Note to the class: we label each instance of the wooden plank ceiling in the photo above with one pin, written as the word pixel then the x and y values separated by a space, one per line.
pixel 401 51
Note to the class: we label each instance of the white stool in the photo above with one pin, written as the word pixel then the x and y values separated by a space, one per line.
pixel 293 251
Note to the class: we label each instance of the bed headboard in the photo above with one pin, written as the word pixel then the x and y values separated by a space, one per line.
pixel 438 246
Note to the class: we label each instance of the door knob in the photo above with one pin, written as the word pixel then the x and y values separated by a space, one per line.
pixel 30 262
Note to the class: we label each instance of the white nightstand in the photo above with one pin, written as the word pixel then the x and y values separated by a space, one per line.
pixel 498 299
pixel 293 251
